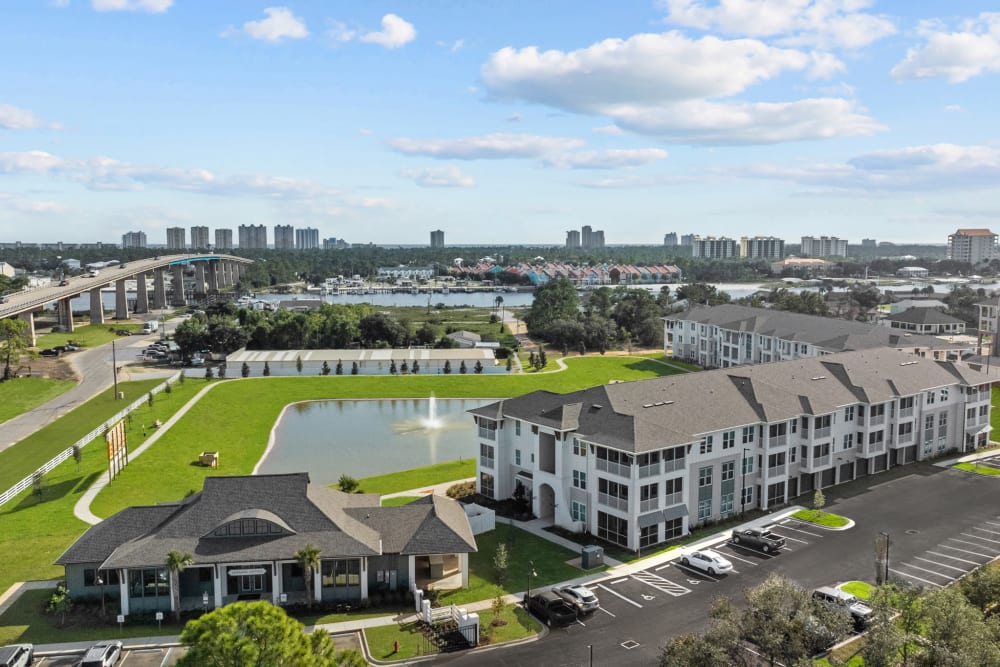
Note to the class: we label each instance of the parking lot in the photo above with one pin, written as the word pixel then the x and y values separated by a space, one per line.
pixel 156 657
pixel 976 544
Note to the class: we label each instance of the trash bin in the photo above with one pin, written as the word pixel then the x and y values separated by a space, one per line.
pixel 591 557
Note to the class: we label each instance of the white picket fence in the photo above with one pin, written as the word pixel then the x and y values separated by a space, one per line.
pixel 25 483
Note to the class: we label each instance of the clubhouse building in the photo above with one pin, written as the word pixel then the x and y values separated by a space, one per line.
pixel 243 533
pixel 639 463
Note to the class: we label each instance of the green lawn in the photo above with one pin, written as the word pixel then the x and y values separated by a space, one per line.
pixel 417 478
pixel 29 454
pixel 399 500
pixel 239 415
pixel 821 518
pixel 24 394
pixel 859 589
pixel 35 530
pixel 549 562
pixel 518 624
pixel 88 335
pixel 978 469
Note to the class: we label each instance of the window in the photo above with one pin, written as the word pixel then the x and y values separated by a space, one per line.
pixel 729 439
pixel 649 497
pixel 579 448
pixel 905 431
pixel 704 510
pixel 517 457
pixel 942 425
pixel 486 485
pixel 705 446
pixel 848 441
pixel 342 572
pixel 776 430
pixel 747 434
pixel 672 529
pixel 148 583
pixel 905 403
pixel 821 450
pixel 109 577
pixel 747 499
pixel 612 528
pixel 792 453
pixel 705 476
pixel 929 398
pixel 794 424
pixel 728 471
pixel 486 454
pixel 532 457
pixel 517 428
pixel 578 511
pixel 487 429
pixel 748 465
pixel 984 410
pixel 579 479
pixel 944 395
pixel 726 504
pixel 876 438
pixel 649 535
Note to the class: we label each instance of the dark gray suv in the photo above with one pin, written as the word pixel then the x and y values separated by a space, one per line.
pixel 17 655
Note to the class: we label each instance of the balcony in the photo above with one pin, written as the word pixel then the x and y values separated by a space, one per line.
pixel 487 433
pixel 820 433
pixel 649 505
pixel 905 413
pixel 614 468
pixel 777 441
pixel 613 501
pixel 876 420
pixel 676 464
pixel 776 471
pixel 819 461
pixel 650 470
pixel 876 448
pixel 487 462
pixel 673 499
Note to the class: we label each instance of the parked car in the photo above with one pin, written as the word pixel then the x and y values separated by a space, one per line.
pixel 63 283
pixel 122 266
pixel 51 352
pixel 17 655
pixel 580 597
pixel 102 654
pixel 68 347
pixel 759 538
pixel 551 608
pixel 707 560
pixel 860 612
pixel 4 298
pixel 123 332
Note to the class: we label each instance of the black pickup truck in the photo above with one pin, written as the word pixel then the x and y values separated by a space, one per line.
pixel 759 538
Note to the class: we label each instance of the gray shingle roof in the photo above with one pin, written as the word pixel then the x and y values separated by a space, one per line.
pixel 924 316
pixel 827 333
pixel 432 525
pixel 651 414
pixel 308 514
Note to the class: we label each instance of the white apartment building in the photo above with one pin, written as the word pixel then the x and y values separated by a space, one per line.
pixel 734 335
pixel 762 247
pixel 824 246
pixel 406 272
pixel 639 463
pixel 715 248
pixel 974 246
pixel 134 240
pixel 199 237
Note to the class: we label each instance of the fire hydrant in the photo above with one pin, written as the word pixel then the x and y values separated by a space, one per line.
pixel 395 646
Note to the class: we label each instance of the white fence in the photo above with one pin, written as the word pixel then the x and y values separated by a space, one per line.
pixel 468 623
pixel 481 519
pixel 25 483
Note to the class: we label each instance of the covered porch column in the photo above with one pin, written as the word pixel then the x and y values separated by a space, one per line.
pixel 141 295
pixel 159 290
pixel 179 299
pixel 29 317
pixel 96 306
pixel 213 276
pixel 318 584
pixel 411 562
pixel 463 565
pixel 364 578
pixel 216 586
pixel 199 277
pixel 121 300
pixel 275 578
pixel 65 310
pixel 123 590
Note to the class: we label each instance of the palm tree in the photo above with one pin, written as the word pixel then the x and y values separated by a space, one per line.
pixel 176 562
pixel 308 558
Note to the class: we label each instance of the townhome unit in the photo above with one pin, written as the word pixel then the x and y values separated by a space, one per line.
pixel 734 335
pixel 639 463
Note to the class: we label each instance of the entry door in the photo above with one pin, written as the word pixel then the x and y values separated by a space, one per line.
pixel 251 583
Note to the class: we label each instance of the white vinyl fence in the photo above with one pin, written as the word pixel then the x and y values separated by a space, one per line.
pixel 25 483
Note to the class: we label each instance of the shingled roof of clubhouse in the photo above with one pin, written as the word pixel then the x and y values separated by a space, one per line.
pixel 647 415
pixel 924 316
pixel 827 333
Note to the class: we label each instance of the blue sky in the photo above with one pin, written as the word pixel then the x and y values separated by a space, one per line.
pixel 499 122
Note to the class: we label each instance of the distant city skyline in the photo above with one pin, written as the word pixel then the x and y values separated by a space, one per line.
pixel 500 123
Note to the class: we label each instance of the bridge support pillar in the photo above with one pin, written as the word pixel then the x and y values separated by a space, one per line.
pixel 65 311
pixel 96 306
pixel 29 317
pixel 159 290
pixel 121 300
pixel 141 294
pixel 230 281
pixel 199 277
pixel 213 276
pixel 179 299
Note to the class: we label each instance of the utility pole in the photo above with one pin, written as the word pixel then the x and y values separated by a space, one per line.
pixel 114 368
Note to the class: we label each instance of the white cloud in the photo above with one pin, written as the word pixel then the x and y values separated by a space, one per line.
pixel 395 33
pixel 823 23
pixel 13 118
pixel 151 6
pixel 30 161
pixel 609 159
pixel 439 177
pixel 485 147
pixel 633 181
pixel 280 24
pixel 339 32
pixel 365 132
pixel 913 168
pixel 453 47
pixel 608 129
pixel 825 65
pixel 972 50
pixel 28 206
pixel 673 87
pixel 953 107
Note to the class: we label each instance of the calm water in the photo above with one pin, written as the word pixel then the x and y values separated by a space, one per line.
pixel 362 438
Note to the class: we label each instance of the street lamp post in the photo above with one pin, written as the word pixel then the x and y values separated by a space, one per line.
pixel 743 481
pixel 885 534
pixel 100 582
pixel 531 573
pixel 114 367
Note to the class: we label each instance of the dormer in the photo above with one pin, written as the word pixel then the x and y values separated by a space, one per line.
pixel 251 523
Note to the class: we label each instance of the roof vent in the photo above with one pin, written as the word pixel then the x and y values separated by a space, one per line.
pixel 819 377
pixel 648 405
pixel 908 363
pixel 596 406
pixel 659 403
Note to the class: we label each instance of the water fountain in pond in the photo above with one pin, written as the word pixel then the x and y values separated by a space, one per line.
pixel 425 425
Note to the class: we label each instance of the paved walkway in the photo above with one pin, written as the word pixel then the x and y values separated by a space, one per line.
pixel 82 507
pixel 440 489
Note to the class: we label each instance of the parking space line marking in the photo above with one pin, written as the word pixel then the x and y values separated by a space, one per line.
pixel 618 581
pixel 974 544
pixel 931 572
pixel 749 562
pixel 688 568
pixel 607 612
pixel 661 584
pixel 632 602
pixel 753 551
pixel 166 657
pixel 964 560
pixel 934 562
pixel 794 539
pixel 799 530
pixel 581 622
pixel 986 530
pixel 964 551
pixel 662 567
pixel 912 576
pixel 992 523
pixel 977 537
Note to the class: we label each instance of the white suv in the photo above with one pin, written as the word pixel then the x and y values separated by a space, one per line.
pixel 102 654
pixel 17 655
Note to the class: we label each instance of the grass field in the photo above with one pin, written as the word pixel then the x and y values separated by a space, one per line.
pixel 28 455
pixel 418 477
pixel 859 589
pixel 88 335
pixel 24 394
pixel 239 415
pixel 35 530
pixel 399 500
pixel 978 469
pixel 821 518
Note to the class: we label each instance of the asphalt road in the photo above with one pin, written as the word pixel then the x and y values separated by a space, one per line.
pixel 941 523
